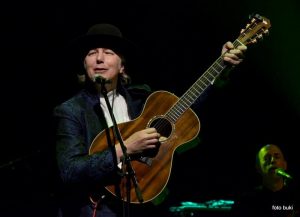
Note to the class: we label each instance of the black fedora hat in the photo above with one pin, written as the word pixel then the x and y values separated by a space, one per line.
pixel 103 35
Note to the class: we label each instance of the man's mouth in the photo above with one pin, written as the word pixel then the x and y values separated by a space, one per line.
pixel 272 169
pixel 100 70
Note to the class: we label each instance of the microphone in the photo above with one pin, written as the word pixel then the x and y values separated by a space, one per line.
pixel 101 80
pixel 282 173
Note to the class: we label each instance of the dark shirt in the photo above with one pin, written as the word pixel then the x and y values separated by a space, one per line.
pixel 261 202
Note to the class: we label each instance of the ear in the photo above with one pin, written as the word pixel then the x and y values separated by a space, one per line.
pixel 122 69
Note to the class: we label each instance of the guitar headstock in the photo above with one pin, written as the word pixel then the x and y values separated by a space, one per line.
pixel 257 27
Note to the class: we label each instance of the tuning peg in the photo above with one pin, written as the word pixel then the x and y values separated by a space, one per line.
pixel 260 36
pixel 253 20
pixel 253 41
pixel 266 32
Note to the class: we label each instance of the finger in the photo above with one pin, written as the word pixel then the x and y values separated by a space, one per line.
pixel 232 61
pixel 242 47
pixel 230 55
pixel 235 51
pixel 235 54
pixel 240 51
pixel 150 130
pixel 153 136
pixel 229 45
pixel 151 146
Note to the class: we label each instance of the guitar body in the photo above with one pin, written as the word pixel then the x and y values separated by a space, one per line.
pixel 153 173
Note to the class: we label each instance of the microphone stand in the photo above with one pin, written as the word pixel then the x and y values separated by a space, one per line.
pixel 129 172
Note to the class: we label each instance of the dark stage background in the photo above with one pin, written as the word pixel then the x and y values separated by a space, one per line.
pixel 178 42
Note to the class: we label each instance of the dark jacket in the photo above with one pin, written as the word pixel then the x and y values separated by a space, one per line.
pixel 78 121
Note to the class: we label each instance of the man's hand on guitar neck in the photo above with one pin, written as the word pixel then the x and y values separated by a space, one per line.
pixel 231 55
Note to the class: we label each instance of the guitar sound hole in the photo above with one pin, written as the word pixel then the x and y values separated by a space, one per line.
pixel 163 127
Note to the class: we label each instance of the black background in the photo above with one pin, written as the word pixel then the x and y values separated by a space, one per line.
pixel 178 41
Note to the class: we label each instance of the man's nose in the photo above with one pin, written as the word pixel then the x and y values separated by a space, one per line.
pixel 100 57
pixel 273 159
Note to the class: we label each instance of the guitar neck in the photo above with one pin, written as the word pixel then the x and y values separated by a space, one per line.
pixel 194 92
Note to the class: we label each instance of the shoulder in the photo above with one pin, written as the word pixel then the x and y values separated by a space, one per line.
pixel 140 88
pixel 74 104
pixel 139 91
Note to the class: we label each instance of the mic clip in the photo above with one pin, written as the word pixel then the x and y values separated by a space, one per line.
pixel 101 80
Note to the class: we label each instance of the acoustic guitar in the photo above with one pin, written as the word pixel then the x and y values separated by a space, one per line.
pixel 174 120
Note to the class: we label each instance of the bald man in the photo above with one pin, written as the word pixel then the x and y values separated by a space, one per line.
pixel 277 195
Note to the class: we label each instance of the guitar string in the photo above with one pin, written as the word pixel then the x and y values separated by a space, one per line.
pixel 193 93
pixel 163 122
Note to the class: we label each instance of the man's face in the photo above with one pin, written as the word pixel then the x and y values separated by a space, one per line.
pixel 104 62
pixel 270 158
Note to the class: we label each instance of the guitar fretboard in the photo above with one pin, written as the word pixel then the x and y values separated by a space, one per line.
pixel 194 92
